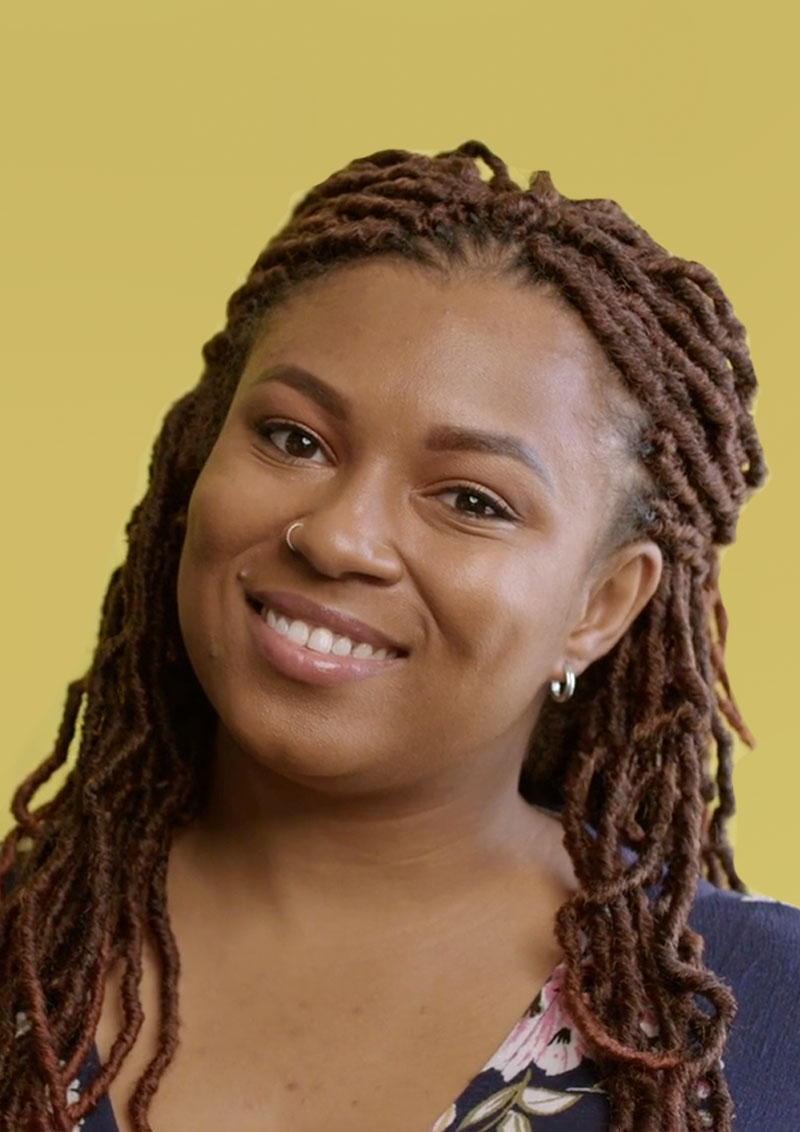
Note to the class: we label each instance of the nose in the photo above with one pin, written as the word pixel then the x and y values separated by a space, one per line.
pixel 350 532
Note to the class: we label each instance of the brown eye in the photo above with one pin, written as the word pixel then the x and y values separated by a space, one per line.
pixel 477 504
pixel 292 441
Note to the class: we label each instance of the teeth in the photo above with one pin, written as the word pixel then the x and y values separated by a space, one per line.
pixel 299 633
pixel 275 621
pixel 322 640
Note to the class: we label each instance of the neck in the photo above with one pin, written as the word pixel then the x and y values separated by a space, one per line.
pixel 268 846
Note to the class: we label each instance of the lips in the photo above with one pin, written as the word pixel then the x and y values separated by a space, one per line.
pixel 315 645
pixel 297 607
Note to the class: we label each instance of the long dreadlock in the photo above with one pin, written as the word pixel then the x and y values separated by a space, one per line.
pixel 629 758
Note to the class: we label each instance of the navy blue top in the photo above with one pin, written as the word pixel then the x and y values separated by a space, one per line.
pixel 540 1077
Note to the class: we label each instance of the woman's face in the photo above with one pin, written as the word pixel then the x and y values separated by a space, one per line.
pixel 440 441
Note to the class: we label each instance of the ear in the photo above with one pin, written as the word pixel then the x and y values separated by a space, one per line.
pixel 617 594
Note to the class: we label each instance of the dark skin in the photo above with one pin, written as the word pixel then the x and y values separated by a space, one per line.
pixel 368 901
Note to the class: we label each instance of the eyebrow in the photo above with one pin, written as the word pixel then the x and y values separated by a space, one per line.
pixel 314 387
pixel 441 438
pixel 445 438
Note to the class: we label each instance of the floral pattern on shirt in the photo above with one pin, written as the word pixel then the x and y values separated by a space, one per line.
pixel 23 1026
pixel 544 1037
pixel 542 1073
pixel 542 1068
pixel 516 1084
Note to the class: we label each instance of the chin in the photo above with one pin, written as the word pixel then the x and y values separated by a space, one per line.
pixel 333 760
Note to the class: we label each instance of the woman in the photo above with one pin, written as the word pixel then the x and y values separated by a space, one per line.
pixel 395 786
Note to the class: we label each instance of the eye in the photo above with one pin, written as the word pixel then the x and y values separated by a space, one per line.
pixel 476 503
pixel 291 440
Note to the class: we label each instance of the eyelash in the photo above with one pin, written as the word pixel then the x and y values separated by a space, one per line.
pixel 502 512
pixel 267 428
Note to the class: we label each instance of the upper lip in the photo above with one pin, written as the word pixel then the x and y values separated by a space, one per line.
pixel 297 607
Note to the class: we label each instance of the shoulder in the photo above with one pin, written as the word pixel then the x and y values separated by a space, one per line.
pixel 751 940
pixel 753 944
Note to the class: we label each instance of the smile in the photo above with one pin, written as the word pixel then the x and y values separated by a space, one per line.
pixel 310 653
pixel 321 640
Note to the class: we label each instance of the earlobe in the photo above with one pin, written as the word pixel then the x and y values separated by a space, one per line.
pixel 616 598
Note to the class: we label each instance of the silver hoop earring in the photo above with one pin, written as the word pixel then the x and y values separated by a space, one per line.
pixel 288 534
pixel 561 690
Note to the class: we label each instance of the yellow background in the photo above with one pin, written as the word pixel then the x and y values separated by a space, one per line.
pixel 153 146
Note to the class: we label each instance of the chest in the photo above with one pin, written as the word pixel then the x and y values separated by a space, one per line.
pixel 359 1043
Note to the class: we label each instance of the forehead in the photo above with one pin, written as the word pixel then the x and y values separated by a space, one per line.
pixel 465 342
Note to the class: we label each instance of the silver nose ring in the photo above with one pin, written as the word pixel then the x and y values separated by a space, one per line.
pixel 288 535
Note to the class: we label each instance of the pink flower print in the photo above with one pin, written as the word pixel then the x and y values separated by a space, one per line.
pixel 546 1037
pixel 703 1089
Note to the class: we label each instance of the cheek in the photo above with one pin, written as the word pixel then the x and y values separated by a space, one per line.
pixel 513 647
pixel 223 520
pixel 219 519
pixel 507 610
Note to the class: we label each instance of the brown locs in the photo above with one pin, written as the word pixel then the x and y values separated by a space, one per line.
pixel 640 758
